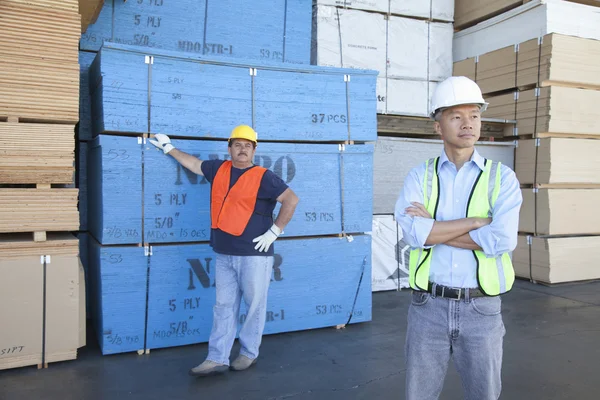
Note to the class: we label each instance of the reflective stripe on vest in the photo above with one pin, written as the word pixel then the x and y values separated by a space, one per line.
pixel 495 275
pixel 231 208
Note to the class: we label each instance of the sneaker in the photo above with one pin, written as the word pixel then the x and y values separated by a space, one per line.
pixel 208 368
pixel 242 362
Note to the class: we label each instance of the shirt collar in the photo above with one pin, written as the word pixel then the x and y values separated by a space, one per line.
pixel 476 158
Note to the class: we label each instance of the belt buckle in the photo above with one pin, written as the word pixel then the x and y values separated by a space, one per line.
pixel 459 293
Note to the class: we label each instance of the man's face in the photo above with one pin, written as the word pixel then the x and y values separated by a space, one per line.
pixel 460 126
pixel 242 151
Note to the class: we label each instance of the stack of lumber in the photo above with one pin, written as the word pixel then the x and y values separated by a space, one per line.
pixel 159 217
pixel 39 102
pixel 36 153
pixel 409 43
pixel 551 86
pixel 274 31
pixel 39 70
pixel 38 330
pixel 470 12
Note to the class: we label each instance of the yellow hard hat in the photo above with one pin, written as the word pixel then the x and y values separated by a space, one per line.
pixel 244 132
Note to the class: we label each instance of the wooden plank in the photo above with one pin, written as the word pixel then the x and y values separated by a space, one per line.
pixel 561 162
pixel 558 112
pixel 217 97
pixel 17 245
pixel 468 12
pixel 36 210
pixel 406 125
pixel 466 68
pixel 551 260
pixel 560 212
pixel 176 202
pixel 496 70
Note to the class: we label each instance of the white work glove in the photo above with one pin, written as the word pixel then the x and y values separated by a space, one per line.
pixel 162 142
pixel 266 239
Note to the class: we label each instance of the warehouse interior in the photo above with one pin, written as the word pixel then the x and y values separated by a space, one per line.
pixel 107 274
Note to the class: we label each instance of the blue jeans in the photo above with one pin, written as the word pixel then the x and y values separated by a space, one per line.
pixel 469 330
pixel 238 277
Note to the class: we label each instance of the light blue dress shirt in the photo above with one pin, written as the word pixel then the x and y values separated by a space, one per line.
pixel 451 266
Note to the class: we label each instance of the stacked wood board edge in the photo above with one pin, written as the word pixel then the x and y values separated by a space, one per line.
pixel 553 60
pixel 39 70
pixel 557 259
pixel 560 212
pixel 554 111
pixel 38 210
pixel 558 162
pixel 36 153
pixel 24 335
pixel 470 12
pixel 409 126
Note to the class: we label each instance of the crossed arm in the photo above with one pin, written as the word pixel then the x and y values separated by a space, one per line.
pixel 493 236
pixel 453 233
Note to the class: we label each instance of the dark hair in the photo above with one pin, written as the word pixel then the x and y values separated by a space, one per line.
pixel 230 142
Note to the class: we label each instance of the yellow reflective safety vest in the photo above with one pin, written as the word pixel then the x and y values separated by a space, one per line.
pixel 494 274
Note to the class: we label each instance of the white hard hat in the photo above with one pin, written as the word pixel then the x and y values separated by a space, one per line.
pixel 454 91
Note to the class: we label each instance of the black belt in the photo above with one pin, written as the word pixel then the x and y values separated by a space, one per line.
pixel 453 293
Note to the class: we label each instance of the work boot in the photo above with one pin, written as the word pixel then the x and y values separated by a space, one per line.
pixel 208 368
pixel 242 362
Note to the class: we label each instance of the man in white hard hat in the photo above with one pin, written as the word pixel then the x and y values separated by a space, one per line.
pixel 243 197
pixel 459 212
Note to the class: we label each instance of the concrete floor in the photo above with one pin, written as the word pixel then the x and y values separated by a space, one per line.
pixel 551 351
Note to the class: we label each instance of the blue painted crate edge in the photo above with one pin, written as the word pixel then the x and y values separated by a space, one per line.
pixel 108 46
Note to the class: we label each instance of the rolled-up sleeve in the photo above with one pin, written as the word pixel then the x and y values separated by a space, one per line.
pixel 500 236
pixel 415 230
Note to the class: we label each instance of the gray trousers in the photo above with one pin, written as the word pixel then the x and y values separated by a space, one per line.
pixel 470 331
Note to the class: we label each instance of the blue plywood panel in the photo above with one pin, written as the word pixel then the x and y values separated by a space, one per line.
pixel 115 190
pixel 197 97
pixel 301 106
pixel 263 32
pixel 358 188
pixel 273 30
pixel 99 31
pixel 85 101
pixel 119 90
pixel 118 277
pixel 363 107
pixel 177 202
pixel 162 24
pixel 199 100
pixel 298 30
pixel 182 293
pixel 81 175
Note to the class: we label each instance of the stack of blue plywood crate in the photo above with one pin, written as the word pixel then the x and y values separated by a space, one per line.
pixel 151 269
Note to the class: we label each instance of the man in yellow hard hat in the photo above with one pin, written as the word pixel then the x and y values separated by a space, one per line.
pixel 243 197
pixel 460 214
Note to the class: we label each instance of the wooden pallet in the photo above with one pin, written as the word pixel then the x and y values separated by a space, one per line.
pixel 422 127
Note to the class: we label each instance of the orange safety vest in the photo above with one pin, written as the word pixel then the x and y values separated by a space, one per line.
pixel 231 208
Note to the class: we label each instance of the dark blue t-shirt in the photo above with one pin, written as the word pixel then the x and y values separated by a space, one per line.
pixel 271 187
